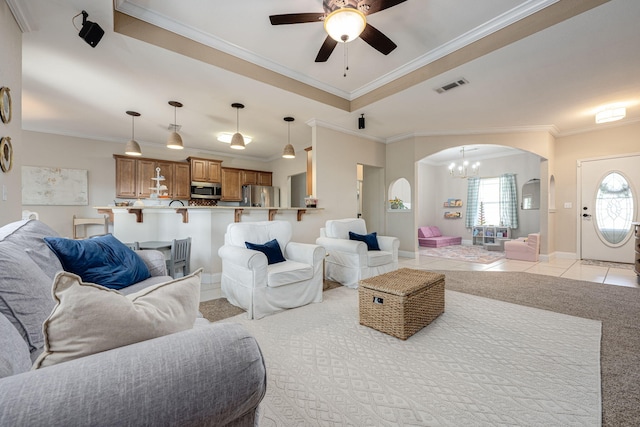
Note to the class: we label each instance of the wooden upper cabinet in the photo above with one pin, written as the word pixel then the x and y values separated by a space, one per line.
pixel 205 170
pixel 249 177
pixel 264 178
pixel 181 181
pixel 146 169
pixel 133 177
pixel 231 185
pixel 126 177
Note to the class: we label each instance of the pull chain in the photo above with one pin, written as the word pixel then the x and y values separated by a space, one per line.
pixel 346 59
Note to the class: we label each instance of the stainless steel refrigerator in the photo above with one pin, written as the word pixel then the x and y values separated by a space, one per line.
pixel 260 196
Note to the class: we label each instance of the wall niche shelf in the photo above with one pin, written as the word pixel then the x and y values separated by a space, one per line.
pixel 452 203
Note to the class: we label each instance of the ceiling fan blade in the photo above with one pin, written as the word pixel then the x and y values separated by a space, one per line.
pixel 377 40
pixel 326 49
pixel 378 5
pixel 295 18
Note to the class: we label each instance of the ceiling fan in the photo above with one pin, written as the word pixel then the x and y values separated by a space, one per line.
pixel 361 8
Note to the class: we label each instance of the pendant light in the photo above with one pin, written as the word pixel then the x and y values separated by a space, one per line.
pixel 133 148
pixel 237 141
pixel 289 152
pixel 175 140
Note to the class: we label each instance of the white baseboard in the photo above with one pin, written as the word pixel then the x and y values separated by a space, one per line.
pixel 407 254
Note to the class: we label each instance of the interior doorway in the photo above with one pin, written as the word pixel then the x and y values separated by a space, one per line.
pixel 370 196
pixel 298 190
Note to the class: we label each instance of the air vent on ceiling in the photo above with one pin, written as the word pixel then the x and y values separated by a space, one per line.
pixel 451 85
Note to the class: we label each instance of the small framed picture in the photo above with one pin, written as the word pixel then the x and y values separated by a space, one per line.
pixel 5 104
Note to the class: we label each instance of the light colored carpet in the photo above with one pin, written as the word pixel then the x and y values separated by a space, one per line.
pixel 467 253
pixel 482 362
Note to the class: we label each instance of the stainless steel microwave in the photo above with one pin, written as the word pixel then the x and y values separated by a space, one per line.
pixel 206 190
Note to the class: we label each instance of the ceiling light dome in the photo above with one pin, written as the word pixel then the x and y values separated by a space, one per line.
pixel 345 24
pixel 611 114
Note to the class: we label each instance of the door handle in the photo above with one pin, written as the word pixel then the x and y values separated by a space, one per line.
pixel 586 215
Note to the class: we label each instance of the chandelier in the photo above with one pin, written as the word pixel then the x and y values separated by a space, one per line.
pixel 464 170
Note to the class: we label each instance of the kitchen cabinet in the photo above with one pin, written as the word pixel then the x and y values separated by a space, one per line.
pixel 249 177
pixel 205 170
pixel 126 177
pixel 264 178
pixel 252 177
pixel 133 177
pixel 231 185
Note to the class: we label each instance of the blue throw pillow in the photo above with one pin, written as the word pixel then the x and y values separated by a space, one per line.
pixel 103 260
pixel 370 239
pixel 271 249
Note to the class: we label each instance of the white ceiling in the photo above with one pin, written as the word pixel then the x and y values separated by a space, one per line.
pixel 554 79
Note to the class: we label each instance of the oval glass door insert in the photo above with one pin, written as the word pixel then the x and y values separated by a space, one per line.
pixel 614 209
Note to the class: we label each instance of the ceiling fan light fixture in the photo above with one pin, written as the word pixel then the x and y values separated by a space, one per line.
pixel 345 24
pixel 611 114
pixel 175 140
pixel 133 148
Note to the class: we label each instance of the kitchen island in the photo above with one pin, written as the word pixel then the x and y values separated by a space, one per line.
pixel 206 225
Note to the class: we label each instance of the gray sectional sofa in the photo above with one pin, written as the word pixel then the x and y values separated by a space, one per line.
pixel 213 374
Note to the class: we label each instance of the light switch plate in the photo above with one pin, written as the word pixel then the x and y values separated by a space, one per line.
pixel 568 205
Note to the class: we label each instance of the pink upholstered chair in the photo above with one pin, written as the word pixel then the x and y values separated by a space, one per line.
pixel 524 249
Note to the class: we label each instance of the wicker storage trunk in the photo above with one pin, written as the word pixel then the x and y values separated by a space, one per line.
pixel 401 302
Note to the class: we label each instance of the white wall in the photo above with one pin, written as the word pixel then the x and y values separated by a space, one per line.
pixel 11 77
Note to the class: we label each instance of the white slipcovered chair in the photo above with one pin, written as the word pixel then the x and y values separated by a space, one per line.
pixel 249 282
pixel 349 261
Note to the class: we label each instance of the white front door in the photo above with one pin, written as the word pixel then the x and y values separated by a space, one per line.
pixel 609 203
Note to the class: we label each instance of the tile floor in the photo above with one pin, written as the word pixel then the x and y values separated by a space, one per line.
pixel 568 268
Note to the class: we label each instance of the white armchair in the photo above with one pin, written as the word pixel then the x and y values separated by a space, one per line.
pixel 249 282
pixel 350 261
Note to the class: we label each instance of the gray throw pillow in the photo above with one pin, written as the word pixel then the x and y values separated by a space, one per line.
pixel 14 353
pixel 25 294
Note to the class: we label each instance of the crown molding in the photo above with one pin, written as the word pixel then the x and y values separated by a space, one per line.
pixel 327 125
pixel 21 15
pixel 512 16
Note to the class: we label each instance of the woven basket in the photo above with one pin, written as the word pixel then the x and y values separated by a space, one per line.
pixel 401 302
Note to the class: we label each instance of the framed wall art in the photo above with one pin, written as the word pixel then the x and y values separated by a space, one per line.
pixel 54 186
pixel 5 104
pixel 6 154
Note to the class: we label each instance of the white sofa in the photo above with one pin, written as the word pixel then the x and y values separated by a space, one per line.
pixel 349 261
pixel 251 283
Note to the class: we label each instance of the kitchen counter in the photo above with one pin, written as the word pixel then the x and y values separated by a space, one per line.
pixel 206 225
pixel 138 211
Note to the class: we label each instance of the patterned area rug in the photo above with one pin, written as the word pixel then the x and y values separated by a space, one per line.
pixel 608 264
pixel 483 363
pixel 463 253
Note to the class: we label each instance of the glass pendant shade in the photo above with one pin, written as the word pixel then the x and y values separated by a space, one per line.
pixel 175 140
pixel 237 141
pixel 133 148
pixel 289 152
pixel 345 24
